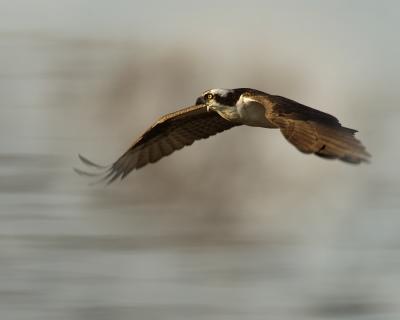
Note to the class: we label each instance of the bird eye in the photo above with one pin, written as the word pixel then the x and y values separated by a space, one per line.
pixel 209 96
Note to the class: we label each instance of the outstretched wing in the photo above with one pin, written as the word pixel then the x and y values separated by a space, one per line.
pixel 313 131
pixel 170 133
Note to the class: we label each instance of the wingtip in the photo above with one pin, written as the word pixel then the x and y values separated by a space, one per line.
pixel 102 175
pixel 85 173
pixel 90 163
pixel 365 157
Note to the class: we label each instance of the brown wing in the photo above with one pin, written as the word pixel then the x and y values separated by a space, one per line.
pixel 170 133
pixel 313 131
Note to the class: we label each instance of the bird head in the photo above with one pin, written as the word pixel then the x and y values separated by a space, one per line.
pixel 223 101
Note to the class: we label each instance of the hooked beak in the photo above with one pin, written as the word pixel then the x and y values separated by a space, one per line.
pixel 200 100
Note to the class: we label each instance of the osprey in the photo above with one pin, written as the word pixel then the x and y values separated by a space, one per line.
pixel 217 110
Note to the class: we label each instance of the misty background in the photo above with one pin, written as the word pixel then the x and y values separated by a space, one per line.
pixel 239 226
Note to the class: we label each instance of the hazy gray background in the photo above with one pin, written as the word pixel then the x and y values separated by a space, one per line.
pixel 241 226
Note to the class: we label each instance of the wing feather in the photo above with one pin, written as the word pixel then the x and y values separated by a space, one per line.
pixel 170 133
pixel 313 131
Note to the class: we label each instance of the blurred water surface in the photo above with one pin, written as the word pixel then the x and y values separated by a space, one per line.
pixel 240 226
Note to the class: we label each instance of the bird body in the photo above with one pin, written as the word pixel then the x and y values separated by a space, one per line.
pixel 217 110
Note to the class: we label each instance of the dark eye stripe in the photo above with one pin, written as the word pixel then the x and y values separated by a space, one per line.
pixel 229 100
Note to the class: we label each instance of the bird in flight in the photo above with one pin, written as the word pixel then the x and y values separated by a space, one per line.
pixel 217 110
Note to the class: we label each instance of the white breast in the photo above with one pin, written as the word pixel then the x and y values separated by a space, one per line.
pixel 252 113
